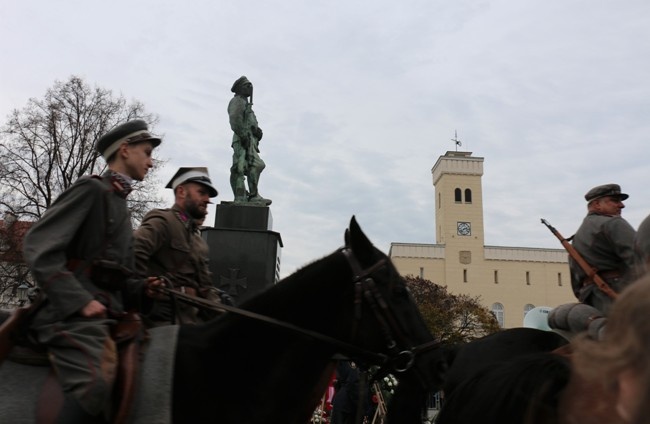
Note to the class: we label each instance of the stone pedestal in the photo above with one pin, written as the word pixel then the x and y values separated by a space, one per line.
pixel 244 252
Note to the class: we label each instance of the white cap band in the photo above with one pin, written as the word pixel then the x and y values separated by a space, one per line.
pixel 116 145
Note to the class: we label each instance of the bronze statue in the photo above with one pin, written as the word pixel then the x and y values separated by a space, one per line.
pixel 246 161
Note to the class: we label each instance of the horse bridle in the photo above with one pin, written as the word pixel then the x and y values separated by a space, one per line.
pixel 401 352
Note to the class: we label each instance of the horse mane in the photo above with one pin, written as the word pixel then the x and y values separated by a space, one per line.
pixel 213 349
pixel 525 389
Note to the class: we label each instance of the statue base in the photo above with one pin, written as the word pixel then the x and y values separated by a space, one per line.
pixel 245 216
pixel 244 252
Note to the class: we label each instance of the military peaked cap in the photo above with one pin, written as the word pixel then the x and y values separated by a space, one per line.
pixel 613 190
pixel 239 83
pixel 196 175
pixel 131 132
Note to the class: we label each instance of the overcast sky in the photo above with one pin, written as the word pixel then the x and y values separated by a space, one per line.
pixel 358 99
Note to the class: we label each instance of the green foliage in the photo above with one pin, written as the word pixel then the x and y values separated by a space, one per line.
pixel 451 318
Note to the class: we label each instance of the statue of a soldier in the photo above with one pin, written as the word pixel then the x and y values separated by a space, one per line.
pixel 246 161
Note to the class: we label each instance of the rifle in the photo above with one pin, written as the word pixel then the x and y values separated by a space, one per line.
pixel 590 271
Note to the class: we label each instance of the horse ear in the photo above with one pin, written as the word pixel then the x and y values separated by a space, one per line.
pixel 358 242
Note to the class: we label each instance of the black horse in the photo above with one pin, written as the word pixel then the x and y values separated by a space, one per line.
pixel 236 369
pixel 520 376
pixel 506 377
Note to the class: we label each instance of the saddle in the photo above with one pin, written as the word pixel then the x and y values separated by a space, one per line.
pixel 129 335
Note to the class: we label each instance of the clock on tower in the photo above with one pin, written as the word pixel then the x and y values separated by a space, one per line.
pixel 464 229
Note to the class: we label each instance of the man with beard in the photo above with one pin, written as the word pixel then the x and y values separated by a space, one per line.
pixel 168 244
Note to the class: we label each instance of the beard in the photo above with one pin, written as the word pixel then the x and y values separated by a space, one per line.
pixel 192 209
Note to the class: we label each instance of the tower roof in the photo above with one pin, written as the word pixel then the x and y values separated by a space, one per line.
pixel 452 162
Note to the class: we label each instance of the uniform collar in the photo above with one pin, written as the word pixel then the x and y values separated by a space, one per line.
pixel 187 221
pixel 122 184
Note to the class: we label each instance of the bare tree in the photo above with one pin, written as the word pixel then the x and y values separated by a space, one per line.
pixel 49 144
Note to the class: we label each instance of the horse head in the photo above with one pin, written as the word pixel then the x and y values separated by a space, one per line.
pixel 383 301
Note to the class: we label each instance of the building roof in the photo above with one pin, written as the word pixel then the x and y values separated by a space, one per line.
pixel 12 233
pixel 502 253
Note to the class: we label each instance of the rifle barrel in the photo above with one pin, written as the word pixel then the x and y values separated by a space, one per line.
pixel 590 271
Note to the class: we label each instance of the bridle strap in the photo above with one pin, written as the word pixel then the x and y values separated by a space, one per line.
pixel 399 359
pixel 358 272
pixel 344 347
pixel 365 288
pixel 382 312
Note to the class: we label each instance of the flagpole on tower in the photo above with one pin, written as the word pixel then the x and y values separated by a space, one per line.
pixel 456 140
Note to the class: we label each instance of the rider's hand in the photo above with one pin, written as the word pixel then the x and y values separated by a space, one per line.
pixel 151 286
pixel 93 309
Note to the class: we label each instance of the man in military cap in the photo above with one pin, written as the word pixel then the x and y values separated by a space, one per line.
pixel 246 161
pixel 81 256
pixel 606 241
pixel 168 244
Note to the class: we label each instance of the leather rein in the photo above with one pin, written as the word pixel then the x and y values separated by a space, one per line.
pixel 400 357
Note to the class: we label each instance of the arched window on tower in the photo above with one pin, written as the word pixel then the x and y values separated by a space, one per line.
pixel 457 194
pixel 499 313
pixel 528 308
pixel 468 195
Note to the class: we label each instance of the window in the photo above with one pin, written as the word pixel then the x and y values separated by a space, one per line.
pixel 457 195
pixel 499 313
pixel 464 276
pixel 434 401
pixel 559 279
pixel 496 277
pixel 528 308
pixel 468 195
pixel 439 201
pixel 528 278
pixel 465 257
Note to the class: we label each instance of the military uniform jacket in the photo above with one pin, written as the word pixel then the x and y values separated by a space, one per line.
pixel 86 223
pixel 166 244
pixel 607 243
